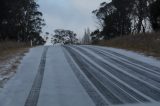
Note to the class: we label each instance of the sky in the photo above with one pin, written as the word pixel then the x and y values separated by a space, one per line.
pixel 75 15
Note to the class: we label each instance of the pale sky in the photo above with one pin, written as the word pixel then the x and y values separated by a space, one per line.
pixel 73 15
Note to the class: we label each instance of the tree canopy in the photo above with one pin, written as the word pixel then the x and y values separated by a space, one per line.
pixel 65 37
pixel 125 17
pixel 20 20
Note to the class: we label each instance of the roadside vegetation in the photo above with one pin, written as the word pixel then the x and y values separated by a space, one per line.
pixel 11 54
pixel 129 24
pixel 21 21
pixel 148 43
pixel 63 36
pixel 9 47
pixel 20 26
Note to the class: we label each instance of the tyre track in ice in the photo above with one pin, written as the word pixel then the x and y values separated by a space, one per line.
pixel 109 70
pixel 143 66
pixel 143 74
pixel 33 96
pixel 136 95
pixel 126 80
pixel 84 67
pixel 132 61
pixel 143 86
pixel 123 95
pixel 92 92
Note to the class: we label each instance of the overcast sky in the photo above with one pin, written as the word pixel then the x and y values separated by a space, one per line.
pixel 74 15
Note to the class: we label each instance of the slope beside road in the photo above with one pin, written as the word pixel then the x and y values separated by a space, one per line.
pixel 83 76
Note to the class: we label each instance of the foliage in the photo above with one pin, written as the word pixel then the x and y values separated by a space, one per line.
pixel 155 15
pixel 20 20
pixel 145 43
pixel 95 35
pixel 124 17
pixel 65 37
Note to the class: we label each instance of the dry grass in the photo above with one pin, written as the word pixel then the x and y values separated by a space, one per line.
pixel 6 46
pixel 145 43
pixel 11 54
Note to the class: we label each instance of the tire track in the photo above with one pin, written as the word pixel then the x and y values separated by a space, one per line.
pixel 101 87
pixel 132 61
pixel 97 99
pixel 33 96
pixel 145 88
pixel 143 74
pixel 147 67
pixel 128 99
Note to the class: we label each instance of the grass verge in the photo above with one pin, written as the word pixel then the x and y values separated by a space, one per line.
pixel 11 54
pixel 148 43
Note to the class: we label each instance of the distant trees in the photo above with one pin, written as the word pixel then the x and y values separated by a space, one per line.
pixel 20 20
pixel 65 37
pixel 124 17
pixel 95 35
pixel 87 37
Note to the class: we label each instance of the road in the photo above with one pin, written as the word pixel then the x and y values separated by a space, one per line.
pixel 82 76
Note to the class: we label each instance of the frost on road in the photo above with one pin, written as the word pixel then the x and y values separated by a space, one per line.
pixel 83 76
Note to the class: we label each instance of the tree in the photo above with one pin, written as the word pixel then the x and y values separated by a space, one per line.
pixel 140 13
pixel 155 15
pixel 125 17
pixel 114 18
pixel 86 38
pixel 65 36
pixel 20 20
pixel 95 35
pixel 123 13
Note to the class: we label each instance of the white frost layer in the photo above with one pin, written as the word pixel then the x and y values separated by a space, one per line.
pixel 135 55
pixel 16 90
pixel 142 104
pixel 110 74
pixel 60 86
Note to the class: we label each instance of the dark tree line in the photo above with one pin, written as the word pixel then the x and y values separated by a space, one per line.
pixel 125 17
pixel 21 21
pixel 155 15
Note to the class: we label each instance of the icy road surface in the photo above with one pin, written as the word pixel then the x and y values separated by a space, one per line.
pixel 83 76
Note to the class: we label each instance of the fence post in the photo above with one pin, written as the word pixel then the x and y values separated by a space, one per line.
pixel 31 43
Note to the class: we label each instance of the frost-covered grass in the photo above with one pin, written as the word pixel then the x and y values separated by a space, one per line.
pixel 148 43
pixel 11 54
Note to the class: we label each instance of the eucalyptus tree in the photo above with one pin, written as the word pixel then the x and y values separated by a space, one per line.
pixel 20 20
pixel 155 15
pixel 65 36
